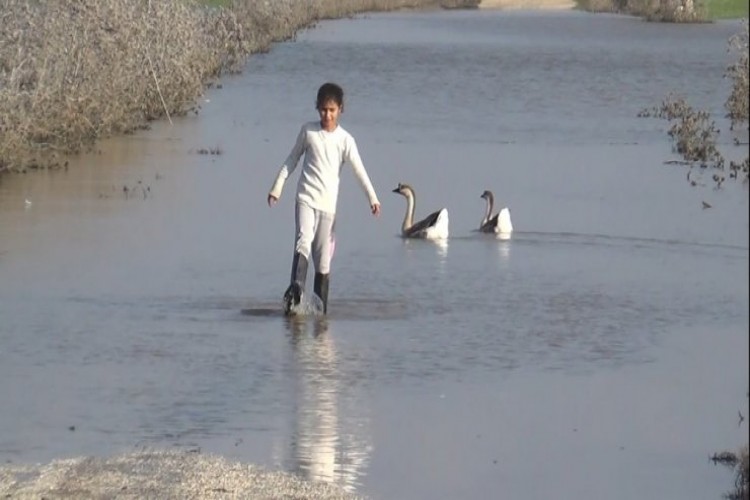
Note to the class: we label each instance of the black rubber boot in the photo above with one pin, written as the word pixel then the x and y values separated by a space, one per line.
pixel 293 294
pixel 320 287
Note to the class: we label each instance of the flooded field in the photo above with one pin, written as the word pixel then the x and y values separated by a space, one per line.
pixel 600 352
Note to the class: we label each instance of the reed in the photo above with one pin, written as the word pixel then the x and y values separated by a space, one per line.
pixel 73 72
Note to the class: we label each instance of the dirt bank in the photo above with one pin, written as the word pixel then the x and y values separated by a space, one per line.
pixel 527 4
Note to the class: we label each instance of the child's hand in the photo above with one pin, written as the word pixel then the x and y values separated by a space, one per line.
pixel 272 200
pixel 375 208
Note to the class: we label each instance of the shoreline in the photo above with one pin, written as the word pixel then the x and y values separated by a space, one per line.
pixel 527 4
pixel 159 474
pixel 60 95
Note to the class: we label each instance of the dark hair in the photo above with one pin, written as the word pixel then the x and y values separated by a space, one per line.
pixel 330 92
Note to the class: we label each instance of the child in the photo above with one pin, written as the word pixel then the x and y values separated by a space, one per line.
pixel 326 146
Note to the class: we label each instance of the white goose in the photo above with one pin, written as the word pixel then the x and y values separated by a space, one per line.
pixel 500 222
pixel 432 227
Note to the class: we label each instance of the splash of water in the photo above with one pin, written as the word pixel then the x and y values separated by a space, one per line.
pixel 308 306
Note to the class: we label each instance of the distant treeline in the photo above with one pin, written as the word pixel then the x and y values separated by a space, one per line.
pixel 73 72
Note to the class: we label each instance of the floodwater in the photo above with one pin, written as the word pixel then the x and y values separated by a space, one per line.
pixel 601 352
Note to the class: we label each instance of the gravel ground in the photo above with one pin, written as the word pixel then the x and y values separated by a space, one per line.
pixel 157 474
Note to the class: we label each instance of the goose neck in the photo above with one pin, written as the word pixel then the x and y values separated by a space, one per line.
pixel 487 211
pixel 409 216
pixel 490 205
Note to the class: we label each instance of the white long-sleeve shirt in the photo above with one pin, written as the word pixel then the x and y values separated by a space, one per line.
pixel 325 154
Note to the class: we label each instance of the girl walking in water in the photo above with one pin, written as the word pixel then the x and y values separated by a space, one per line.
pixel 326 147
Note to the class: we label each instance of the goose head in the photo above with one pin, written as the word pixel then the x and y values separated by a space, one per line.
pixel 404 190
pixel 487 195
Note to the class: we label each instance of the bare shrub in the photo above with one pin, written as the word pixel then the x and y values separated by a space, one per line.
pixel 740 462
pixel 693 132
pixel 643 8
pixel 670 11
pixel 695 135
pixel 742 477
pixel 601 5
pixel 676 11
pixel 72 72
pixel 737 72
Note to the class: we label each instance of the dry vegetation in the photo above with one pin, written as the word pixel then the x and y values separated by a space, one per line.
pixel 737 103
pixel 72 72
pixel 740 462
pixel 676 11
pixel 695 135
pixel 672 11
pixel 742 477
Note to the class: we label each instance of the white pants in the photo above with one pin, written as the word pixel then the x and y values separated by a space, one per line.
pixel 314 234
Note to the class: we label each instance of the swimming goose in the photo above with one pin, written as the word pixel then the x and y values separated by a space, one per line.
pixel 433 227
pixel 498 223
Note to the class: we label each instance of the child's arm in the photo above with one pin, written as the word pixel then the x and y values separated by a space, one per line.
pixel 352 156
pixel 288 167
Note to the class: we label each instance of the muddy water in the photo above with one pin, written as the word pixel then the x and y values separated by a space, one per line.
pixel 601 352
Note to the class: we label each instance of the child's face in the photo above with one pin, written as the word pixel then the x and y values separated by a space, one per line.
pixel 329 114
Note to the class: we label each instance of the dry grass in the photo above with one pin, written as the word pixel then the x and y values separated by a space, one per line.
pixel 738 72
pixel 695 135
pixel 671 11
pixel 600 5
pixel 72 72
pixel 742 477
pixel 692 130
pixel 668 11
pixel 740 462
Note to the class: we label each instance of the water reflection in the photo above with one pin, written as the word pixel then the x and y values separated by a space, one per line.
pixel 442 251
pixel 441 245
pixel 321 448
pixel 503 246
pixel 503 236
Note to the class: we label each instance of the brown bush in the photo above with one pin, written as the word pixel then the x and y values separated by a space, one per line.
pixel 669 11
pixel 72 72
pixel 695 135
pixel 737 72
pixel 693 132
pixel 740 462
pixel 599 5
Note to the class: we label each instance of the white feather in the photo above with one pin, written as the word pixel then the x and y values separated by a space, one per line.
pixel 504 225
pixel 439 230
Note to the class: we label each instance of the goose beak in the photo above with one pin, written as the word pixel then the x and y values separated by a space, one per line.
pixel 397 190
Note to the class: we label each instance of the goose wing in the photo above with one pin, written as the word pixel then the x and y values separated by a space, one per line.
pixel 490 225
pixel 424 224
pixel 504 224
